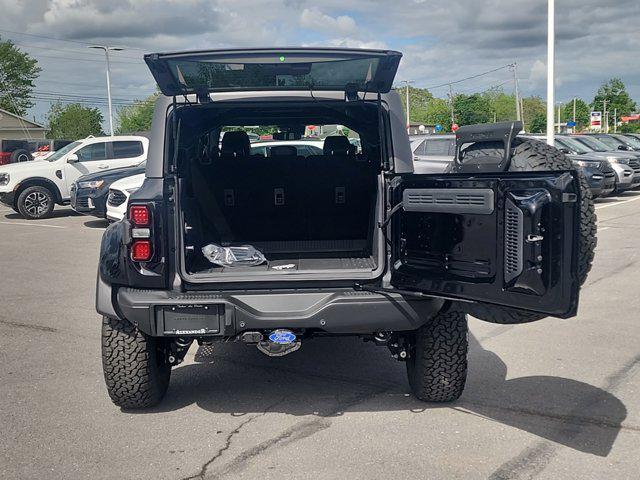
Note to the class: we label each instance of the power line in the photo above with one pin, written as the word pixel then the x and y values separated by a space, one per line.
pixel 37 55
pixel 61 39
pixel 67 50
pixel 446 84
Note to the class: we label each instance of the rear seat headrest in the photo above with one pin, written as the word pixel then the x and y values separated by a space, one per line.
pixel 338 145
pixel 236 143
pixel 283 151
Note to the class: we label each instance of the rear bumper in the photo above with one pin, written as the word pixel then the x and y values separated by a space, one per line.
pixel 330 311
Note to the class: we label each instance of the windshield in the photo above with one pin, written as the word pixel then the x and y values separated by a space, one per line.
pixel 593 143
pixel 573 145
pixel 610 142
pixel 634 142
pixel 62 152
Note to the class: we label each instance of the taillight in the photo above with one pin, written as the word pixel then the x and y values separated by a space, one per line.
pixel 5 158
pixel 141 233
pixel 139 215
pixel 141 250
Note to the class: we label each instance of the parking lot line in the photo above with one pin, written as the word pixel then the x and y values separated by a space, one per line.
pixel 617 203
pixel 32 224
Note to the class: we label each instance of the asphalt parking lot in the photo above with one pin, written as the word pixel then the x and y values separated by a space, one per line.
pixel 551 399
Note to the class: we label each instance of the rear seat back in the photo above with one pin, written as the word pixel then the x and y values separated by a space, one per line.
pixel 339 192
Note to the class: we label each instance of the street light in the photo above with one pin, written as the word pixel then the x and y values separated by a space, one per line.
pixel 106 49
pixel 407 82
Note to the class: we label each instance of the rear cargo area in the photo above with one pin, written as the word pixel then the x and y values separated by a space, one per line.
pixel 313 214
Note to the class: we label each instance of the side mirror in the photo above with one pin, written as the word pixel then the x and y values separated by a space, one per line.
pixel 565 150
pixel 623 147
pixel 73 158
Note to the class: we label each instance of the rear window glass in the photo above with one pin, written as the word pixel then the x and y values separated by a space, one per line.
pixel 194 74
pixel 438 147
pixel 127 149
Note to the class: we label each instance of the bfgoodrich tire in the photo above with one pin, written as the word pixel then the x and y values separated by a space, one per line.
pixel 534 156
pixel 136 369
pixel 35 202
pixel 437 362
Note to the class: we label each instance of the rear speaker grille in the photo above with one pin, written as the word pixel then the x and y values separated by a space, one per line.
pixel 512 241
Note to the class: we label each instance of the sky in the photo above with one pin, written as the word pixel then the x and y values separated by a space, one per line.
pixel 441 41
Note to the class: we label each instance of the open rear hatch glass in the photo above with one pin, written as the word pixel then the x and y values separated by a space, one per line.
pixel 335 69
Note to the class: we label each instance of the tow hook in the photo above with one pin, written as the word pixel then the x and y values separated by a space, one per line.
pixel 279 343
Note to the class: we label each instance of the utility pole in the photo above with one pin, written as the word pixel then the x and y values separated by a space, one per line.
pixel 514 67
pixel 551 139
pixel 451 101
pixel 407 82
pixel 615 120
pixel 605 115
pixel 559 105
pixel 574 109
pixel 106 50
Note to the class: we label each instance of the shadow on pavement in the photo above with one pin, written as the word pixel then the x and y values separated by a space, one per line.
pixel 57 213
pixel 328 376
pixel 97 223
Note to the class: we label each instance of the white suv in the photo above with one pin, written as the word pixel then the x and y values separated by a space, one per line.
pixel 32 188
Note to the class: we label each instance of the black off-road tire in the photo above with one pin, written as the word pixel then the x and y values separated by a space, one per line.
pixel 437 362
pixel 531 156
pixel 20 155
pixel 136 368
pixel 35 202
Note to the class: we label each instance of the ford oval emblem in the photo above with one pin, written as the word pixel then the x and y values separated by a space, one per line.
pixel 282 337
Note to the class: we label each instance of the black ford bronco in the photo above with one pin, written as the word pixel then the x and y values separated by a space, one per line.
pixel 229 242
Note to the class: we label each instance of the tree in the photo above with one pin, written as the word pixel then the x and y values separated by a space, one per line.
pixel 470 109
pixel 137 117
pixel 534 114
pixel 583 112
pixel 438 112
pixel 17 74
pixel 74 121
pixel 502 106
pixel 615 93
pixel 419 99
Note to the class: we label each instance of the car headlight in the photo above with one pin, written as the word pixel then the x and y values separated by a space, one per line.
pixel 91 184
pixel 131 190
pixel 623 161
pixel 4 178
pixel 586 163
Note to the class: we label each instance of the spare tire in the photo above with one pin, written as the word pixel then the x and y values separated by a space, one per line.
pixel 532 156
pixel 20 155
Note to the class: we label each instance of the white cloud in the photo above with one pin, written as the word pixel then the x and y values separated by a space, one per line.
pixel 314 19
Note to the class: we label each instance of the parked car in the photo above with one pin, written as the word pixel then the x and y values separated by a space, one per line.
pixel 33 188
pixel 614 141
pixel 14 151
pixel 89 193
pixel 432 153
pixel 597 170
pixel 119 193
pixel 625 164
pixel 303 148
pixel 632 143
pixel 270 252
pixel 41 149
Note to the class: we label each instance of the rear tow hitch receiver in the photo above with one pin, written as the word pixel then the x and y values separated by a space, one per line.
pixel 279 343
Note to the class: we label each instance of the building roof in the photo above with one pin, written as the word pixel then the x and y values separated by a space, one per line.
pixel 22 121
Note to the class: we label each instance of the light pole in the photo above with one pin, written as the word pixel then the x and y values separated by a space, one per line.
pixel 106 49
pixel 408 82
pixel 514 67
pixel 551 139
